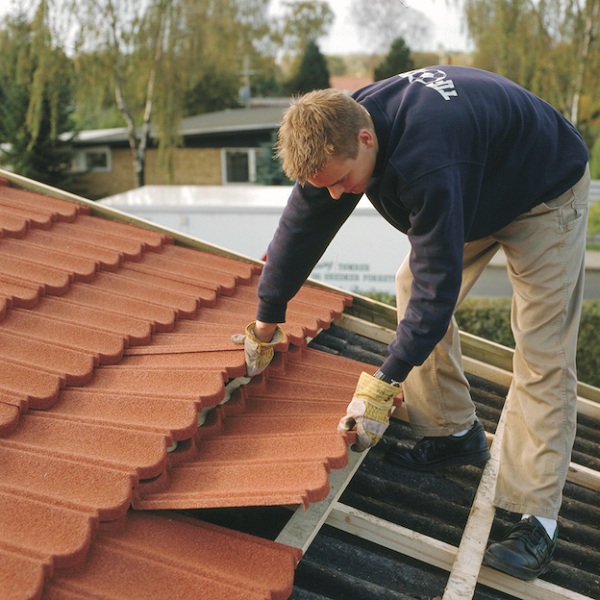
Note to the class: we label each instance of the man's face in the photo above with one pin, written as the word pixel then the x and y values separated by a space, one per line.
pixel 349 175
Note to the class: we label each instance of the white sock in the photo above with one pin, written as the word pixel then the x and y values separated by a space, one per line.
pixel 548 524
pixel 461 433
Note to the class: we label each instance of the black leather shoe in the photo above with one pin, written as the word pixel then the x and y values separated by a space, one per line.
pixel 525 552
pixel 432 453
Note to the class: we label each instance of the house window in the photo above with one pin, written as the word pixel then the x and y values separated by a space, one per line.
pixel 239 165
pixel 96 160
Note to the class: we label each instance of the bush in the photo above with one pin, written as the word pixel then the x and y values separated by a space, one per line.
pixel 588 359
pixel 593 231
pixel 488 318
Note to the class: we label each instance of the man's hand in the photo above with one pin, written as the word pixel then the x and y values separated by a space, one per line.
pixel 370 410
pixel 259 341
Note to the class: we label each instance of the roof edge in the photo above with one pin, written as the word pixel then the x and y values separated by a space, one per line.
pixel 114 214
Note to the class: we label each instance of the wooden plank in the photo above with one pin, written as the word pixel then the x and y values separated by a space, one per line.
pixel 469 558
pixel 394 537
pixel 584 476
pixel 487 371
pixel 438 554
pixel 302 528
pixel 367 329
pixel 484 350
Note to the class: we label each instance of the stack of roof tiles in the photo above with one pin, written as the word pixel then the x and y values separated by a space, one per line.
pixel 115 344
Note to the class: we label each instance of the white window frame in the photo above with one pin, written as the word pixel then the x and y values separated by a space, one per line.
pixel 251 152
pixel 81 159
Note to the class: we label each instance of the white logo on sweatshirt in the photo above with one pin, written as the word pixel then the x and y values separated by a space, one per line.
pixel 434 79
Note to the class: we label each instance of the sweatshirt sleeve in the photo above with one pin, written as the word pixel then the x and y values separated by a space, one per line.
pixel 440 212
pixel 307 225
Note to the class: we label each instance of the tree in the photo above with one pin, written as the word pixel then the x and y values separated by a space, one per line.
pixel 397 60
pixel 269 169
pixel 383 21
pixel 35 100
pixel 312 72
pixel 128 41
pixel 595 161
pixel 548 47
pixel 230 40
pixel 142 63
pixel 214 91
pixel 162 59
pixel 303 22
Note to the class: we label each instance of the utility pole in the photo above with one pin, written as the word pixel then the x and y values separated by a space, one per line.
pixel 245 94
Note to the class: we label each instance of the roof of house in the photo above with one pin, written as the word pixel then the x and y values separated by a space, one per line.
pixel 135 454
pixel 253 118
pixel 350 83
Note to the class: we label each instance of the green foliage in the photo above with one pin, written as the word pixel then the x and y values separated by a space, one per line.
pixel 397 60
pixel 488 318
pixel 305 21
pixel 382 297
pixel 35 103
pixel 588 357
pixel 424 59
pixel 214 91
pixel 312 72
pixel 268 168
pixel 547 47
pixel 595 159
pixel 593 231
pixel 337 65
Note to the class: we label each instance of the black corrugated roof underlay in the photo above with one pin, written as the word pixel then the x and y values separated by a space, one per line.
pixel 339 565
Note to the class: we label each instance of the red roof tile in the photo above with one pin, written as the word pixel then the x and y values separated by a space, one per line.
pixel 177 557
pixel 30 203
pixel 112 341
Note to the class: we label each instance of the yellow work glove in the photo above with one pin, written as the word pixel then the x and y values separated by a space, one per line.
pixel 257 354
pixel 370 410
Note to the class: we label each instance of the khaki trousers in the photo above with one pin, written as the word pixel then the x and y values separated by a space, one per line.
pixel 545 252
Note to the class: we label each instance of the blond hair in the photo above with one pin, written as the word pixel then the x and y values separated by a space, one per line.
pixel 315 128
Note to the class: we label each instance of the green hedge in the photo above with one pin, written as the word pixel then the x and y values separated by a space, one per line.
pixel 489 318
pixel 588 358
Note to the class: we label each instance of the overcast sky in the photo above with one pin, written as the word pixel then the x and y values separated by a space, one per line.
pixel 447 31
pixel 344 37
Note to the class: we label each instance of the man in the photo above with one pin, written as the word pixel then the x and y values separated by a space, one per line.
pixel 464 162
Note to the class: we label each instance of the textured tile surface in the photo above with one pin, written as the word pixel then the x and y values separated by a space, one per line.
pixel 112 342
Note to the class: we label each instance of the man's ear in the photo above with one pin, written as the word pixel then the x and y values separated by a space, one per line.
pixel 366 137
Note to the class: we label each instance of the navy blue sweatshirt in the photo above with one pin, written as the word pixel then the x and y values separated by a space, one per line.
pixel 462 152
